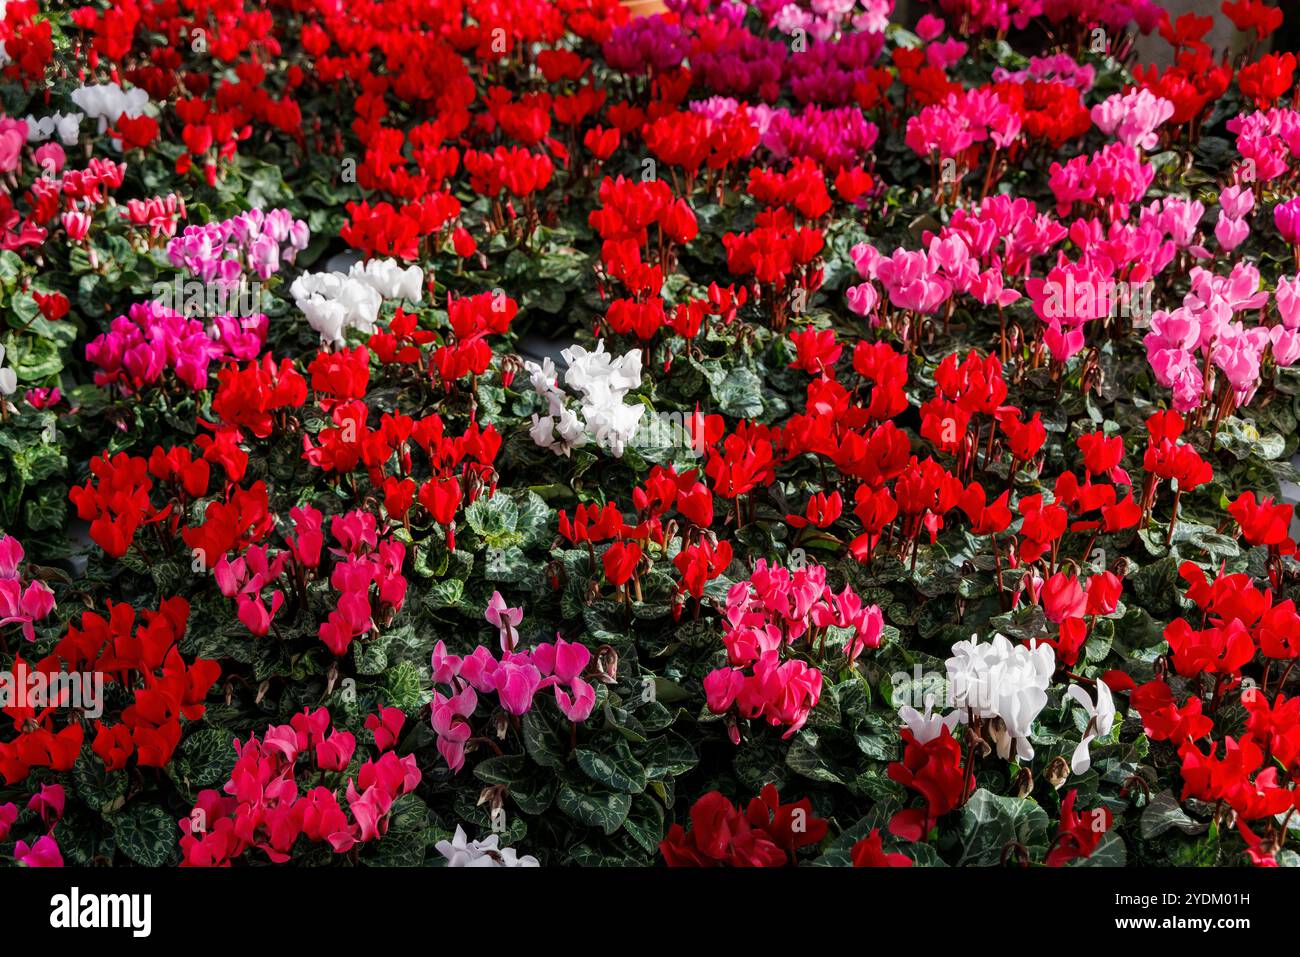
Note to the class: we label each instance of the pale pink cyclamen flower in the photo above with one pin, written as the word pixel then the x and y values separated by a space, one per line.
pixel 505 619
pixel 1230 232
pixel 1133 117
pixel 1237 201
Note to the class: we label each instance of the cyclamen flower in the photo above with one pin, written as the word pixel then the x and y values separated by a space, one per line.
pixel 462 852
pixel 1133 117
pixel 928 726
pixel 334 302
pixel 19 603
pixel 602 381
pixel 66 126
pixel 1101 718
pixel 1287 217
pixel 8 377
pixel 107 102
pixel 506 620
pixel 996 679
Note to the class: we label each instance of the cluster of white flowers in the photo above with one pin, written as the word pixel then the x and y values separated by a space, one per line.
pixel 602 381
pixel 67 126
pixel 1000 680
pixel 462 852
pixel 334 302
pixel 107 102
pixel 8 377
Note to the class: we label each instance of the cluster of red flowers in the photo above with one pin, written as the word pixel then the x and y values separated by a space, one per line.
pixel 767 834
pixel 145 660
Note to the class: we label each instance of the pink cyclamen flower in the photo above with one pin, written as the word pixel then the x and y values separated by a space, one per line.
pixel 1287 298
pixel 44 853
pixel 48 802
pixel 77 224
pixel 1133 117
pixel 1287 217
pixel 1230 232
pixel 506 620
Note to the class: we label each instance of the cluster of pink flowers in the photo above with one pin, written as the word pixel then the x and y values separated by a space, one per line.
pixel 974 254
pixel 362 561
pixel 1061 68
pixel 948 129
pixel 515 677
pixel 774 608
pixel 1268 141
pixel 151 339
pixel 21 601
pixel 245 578
pixel 48 804
pixel 1187 343
pixel 256 241
pixel 262 806
pixel 823 20
pixel 835 137
pixel 1113 179
pixel 161 214
pixel 1133 117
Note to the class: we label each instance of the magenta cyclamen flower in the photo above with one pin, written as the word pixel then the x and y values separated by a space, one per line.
pixel 20 603
pixel 515 678
pixel 1287 217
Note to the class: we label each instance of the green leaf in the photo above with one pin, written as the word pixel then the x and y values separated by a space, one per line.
pixel 541 741
pixel 668 756
pixel 147 835
pixel 100 789
pixel 989 822
pixel 645 823
pixel 1164 812
pixel 207 756
pixel 1109 852
pixel 594 807
pixel 616 768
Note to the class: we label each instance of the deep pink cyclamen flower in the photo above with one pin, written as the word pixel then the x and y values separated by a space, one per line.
pixel 1287 217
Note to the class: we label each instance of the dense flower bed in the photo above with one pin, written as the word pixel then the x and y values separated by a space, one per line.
pixel 501 433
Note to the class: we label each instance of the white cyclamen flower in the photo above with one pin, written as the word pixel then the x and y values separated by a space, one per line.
pixel 597 369
pixel 8 377
pixel 462 852
pixel 67 126
pixel 334 302
pixel 107 102
pixel 611 423
pixel 389 279
pixel 926 727
pixel 1002 680
pixel 1101 718
pixel 602 380
pixel 543 380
